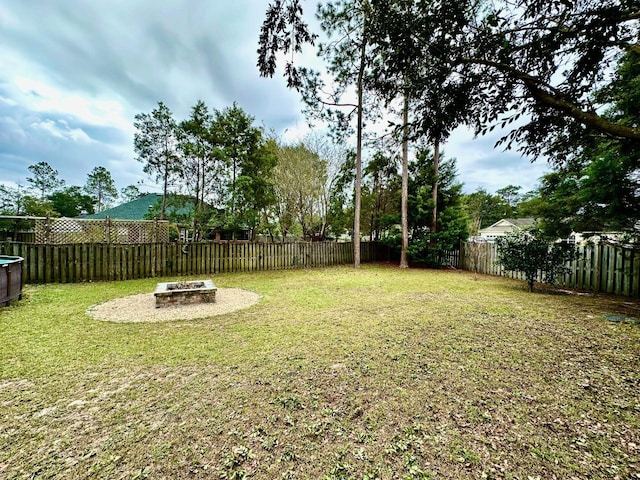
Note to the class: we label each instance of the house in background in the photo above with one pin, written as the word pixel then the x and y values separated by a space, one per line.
pixel 133 210
pixel 181 214
pixel 504 226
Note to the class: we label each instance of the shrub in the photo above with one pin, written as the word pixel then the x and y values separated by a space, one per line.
pixel 524 251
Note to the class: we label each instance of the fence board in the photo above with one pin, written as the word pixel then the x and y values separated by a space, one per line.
pixel 635 269
pixel 627 274
pixel 105 258
pixel 618 271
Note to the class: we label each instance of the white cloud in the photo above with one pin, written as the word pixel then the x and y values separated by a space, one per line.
pixel 481 165
pixel 8 101
pixel 61 130
pixel 39 96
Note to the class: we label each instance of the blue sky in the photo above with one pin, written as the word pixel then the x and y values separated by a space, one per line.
pixel 75 73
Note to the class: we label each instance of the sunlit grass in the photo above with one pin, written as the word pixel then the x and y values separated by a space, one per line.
pixel 336 373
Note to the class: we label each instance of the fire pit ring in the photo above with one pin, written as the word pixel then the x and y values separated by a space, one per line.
pixel 184 293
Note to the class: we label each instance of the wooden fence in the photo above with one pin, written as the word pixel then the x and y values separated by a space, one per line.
pixel 81 262
pixel 597 268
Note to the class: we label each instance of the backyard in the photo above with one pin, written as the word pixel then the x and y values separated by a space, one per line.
pixel 335 373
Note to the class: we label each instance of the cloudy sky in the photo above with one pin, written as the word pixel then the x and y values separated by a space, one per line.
pixel 75 73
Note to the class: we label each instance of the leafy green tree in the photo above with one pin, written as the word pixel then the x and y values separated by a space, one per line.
pixel 156 144
pixel 510 195
pixel 556 203
pixel 243 148
pixel 38 207
pixel 381 195
pixel 255 186
pixel 341 207
pixel 299 178
pixel 531 204
pixel 526 252
pixel 45 179
pixel 71 202
pixel 484 209
pixel 218 161
pixel 609 191
pixel 101 187
pixel 598 197
pixel 16 201
pixel 348 23
pixel 510 51
pixel 452 227
pixel 203 169
pixel 537 60
pixel 412 69
pixel 130 192
pixel 13 199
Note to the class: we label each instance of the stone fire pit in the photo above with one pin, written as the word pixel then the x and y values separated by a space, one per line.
pixel 185 293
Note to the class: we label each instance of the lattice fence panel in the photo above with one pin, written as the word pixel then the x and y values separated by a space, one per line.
pixel 76 230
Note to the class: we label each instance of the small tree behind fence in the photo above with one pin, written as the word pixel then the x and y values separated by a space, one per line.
pixel 476 252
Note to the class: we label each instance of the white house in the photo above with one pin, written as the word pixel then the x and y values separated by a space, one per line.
pixel 504 226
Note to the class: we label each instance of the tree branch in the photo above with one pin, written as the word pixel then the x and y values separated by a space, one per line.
pixel 553 98
pixel 587 118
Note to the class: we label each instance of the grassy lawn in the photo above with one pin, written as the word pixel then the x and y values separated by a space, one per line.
pixel 336 373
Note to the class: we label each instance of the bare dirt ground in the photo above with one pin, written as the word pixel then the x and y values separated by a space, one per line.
pixel 141 307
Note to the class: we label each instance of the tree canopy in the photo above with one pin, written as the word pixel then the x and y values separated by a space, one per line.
pixel 538 62
pixel 45 179
pixel 100 185
pixel 156 144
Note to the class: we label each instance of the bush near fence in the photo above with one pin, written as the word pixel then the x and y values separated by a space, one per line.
pixel 82 262
pixel 597 268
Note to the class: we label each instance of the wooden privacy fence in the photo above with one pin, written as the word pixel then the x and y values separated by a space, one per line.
pixel 598 268
pixel 81 262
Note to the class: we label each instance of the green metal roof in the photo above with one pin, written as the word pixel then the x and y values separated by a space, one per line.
pixel 133 210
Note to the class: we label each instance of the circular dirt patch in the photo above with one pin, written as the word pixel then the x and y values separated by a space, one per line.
pixel 142 307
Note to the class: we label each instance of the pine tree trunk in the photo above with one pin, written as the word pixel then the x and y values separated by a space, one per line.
pixel 405 185
pixel 358 182
pixel 434 194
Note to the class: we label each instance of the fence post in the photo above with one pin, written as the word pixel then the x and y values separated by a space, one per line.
pixel 154 230
pixel 107 228
pixel 47 230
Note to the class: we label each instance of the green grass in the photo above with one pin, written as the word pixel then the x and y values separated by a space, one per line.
pixel 337 373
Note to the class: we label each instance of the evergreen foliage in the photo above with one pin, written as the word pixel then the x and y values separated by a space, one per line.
pixel 526 252
pixel 45 179
pixel 101 187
